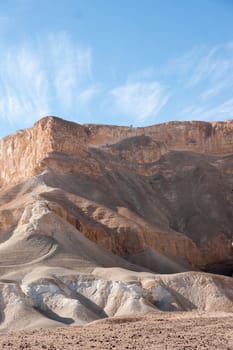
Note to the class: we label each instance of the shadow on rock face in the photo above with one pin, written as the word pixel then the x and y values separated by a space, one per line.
pixel 53 316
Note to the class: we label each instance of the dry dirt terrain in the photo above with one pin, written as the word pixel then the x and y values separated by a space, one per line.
pixel 152 331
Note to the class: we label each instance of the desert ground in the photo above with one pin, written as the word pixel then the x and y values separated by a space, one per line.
pixel 181 331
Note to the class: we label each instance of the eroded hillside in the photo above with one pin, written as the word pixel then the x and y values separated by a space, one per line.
pixel 90 214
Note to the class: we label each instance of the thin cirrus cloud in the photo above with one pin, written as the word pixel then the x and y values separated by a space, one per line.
pixel 140 100
pixel 220 111
pixel 201 82
pixel 53 75
pixel 198 86
pixel 87 95
pixel 215 69
pixel 23 84
pixel 202 65
pixel 36 78
pixel 213 77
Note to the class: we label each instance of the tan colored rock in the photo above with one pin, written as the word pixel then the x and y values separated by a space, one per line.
pixel 26 152
pixel 99 221
pixel 132 188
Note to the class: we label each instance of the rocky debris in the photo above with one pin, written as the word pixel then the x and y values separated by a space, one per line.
pixel 176 331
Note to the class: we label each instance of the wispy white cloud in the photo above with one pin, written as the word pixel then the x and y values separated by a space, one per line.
pixel 198 86
pixel 222 111
pixel 35 77
pixel 203 81
pixel 24 85
pixel 217 88
pixel 87 95
pixel 214 70
pixel 71 66
pixel 140 100
pixel 183 65
pixel 205 68
pixel 54 74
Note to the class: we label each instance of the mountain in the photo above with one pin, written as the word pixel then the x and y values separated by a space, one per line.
pixel 100 220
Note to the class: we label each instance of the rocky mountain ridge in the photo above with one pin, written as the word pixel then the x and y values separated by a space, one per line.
pixel 54 135
pixel 150 158
pixel 91 215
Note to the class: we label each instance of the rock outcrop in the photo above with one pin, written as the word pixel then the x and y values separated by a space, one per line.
pixel 23 154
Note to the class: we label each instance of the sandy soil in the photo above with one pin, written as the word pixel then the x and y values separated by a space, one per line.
pixel 183 331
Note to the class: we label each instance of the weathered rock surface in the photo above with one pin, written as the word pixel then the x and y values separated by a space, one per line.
pixel 23 153
pixel 89 214
pixel 167 187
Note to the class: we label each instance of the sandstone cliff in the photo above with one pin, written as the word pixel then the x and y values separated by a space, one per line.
pixel 31 147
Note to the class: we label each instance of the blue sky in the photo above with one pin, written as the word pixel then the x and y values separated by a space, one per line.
pixel 121 62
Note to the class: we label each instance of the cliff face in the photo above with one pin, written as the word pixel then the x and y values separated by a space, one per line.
pixel 204 137
pixel 166 188
pixel 22 154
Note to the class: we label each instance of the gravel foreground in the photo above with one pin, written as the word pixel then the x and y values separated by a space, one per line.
pixel 183 331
